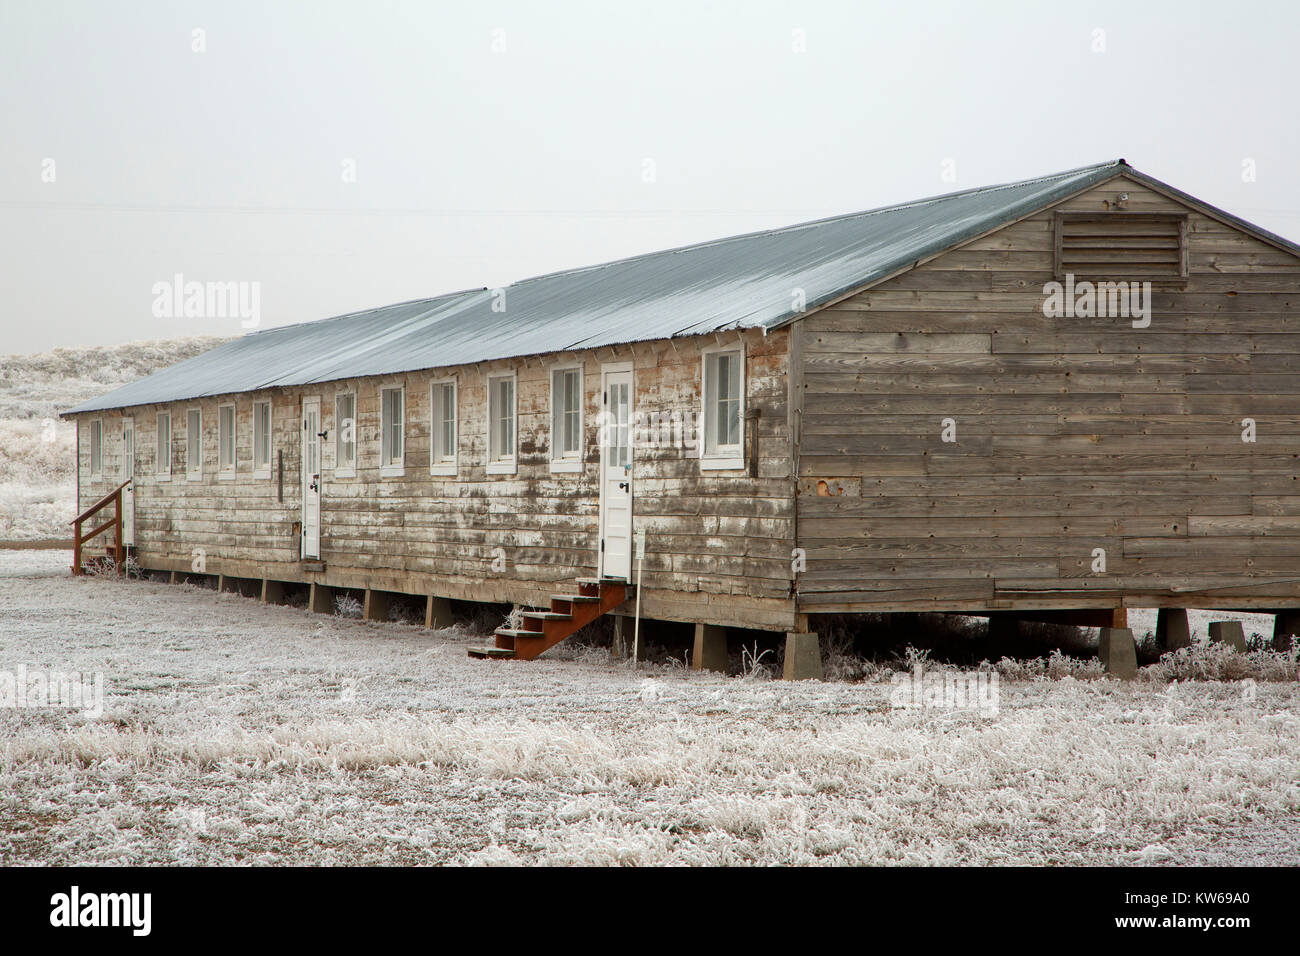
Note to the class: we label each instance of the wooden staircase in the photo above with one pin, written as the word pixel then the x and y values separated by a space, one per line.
pixel 569 613
pixel 115 553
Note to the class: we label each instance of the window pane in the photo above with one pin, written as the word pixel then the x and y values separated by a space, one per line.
pixel 226 437
pixel 350 433
pixel 567 421
pixel 312 461
pixel 444 422
pixel 503 418
pixel 494 419
pixel 449 421
pixel 722 400
pixel 711 404
pixel 733 399
pixel 128 450
pixel 193 442
pixel 345 431
pixel 572 411
pixel 398 418
pixel 261 436
pixel 163 461
pixel 625 424
pixel 507 421
pixel 391 426
pixel 509 407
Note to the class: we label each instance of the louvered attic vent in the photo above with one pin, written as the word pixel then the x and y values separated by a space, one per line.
pixel 1121 246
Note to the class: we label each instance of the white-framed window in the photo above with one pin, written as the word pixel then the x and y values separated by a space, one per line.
pixel 262 439
pixel 566 419
pixel 193 445
pixel 128 448
pixel 97 450
pixel 225 442
pixel 392 423
pixel 503 436
pixel 442 427
pixel 345 435
pixel 723 415
pixel 163 457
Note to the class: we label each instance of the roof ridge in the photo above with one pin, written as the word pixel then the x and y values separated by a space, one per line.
pixel 840 217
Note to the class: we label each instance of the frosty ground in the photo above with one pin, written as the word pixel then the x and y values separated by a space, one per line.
pixel 236 733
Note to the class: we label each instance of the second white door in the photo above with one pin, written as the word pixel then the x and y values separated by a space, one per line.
pixel 616 473
pixel 311 478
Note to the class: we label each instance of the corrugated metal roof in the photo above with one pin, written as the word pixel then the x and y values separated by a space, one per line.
pixel 741 282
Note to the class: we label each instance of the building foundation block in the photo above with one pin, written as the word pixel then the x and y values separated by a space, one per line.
pixel 437 613
pixel 322 599
pixel 1173 629
pixel 1230 633
pixel 1286 625
pixel 803 657
pixel 710 652
pixel 272 591
pixel 1118 652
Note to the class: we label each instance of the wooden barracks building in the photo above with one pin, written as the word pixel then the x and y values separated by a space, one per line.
pixel 1076 393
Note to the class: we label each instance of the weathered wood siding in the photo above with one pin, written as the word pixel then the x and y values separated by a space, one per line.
pixel 718 543
pixel 1073 434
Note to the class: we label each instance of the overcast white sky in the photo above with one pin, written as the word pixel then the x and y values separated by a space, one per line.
pixel 476 167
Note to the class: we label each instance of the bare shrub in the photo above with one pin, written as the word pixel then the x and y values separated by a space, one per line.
pixel 1219 662
pixel 345 605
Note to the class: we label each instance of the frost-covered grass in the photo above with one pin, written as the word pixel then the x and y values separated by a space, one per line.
pixel 37 449
pixel 237 733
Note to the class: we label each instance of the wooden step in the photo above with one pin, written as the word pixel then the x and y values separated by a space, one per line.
pixel 548 616
pixel 577 598
pixel 491 653
pixel 515 632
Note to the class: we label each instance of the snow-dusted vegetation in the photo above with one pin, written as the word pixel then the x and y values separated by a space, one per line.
pixel 37 450
pixel 238 733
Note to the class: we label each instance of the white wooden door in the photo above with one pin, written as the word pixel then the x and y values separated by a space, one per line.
pixel 128 473
pixel 616 473
pixel 311 483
